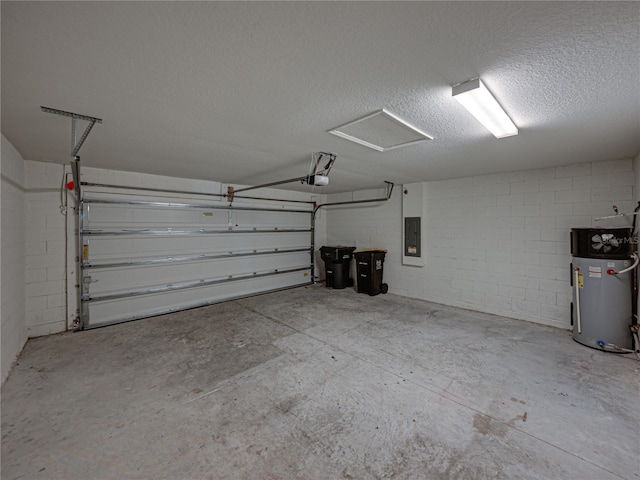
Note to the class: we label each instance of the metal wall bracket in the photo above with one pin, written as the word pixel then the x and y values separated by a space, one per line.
pixel 75 144
pixel 81 285
pixel 317 170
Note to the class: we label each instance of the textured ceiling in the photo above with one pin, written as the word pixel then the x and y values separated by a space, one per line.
pixel 243 92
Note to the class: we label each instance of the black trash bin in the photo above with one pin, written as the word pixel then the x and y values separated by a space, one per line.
pixel 369 268
pixel 336 266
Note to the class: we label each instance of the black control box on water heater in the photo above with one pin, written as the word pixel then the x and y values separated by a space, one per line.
pixel 614 243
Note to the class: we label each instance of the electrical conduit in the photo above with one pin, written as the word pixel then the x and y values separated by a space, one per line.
pixel 628 269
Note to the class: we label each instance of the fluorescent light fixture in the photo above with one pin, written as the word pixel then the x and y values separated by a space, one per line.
pixel 476 98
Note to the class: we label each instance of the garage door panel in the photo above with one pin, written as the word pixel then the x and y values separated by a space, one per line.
pixel 102 249
pixel 110 280
pixel 143 246
pixel 108 215
pixel 268 219
pixel 115 311
pixel 144 255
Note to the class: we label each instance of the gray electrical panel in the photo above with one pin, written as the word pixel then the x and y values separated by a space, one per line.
pixel 412 237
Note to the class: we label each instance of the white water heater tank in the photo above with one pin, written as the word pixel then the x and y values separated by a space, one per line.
pixel 601 313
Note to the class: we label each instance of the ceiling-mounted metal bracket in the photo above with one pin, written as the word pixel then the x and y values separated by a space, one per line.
pixel 75 144
pixel 311 179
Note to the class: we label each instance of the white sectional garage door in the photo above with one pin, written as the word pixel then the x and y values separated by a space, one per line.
pixel 145 255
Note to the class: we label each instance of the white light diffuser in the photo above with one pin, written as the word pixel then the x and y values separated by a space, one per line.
pixel 476 98
pixel 381 131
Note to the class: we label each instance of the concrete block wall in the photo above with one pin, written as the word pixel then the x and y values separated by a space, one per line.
pixel 13 329
pixel 45 246
pixel 496 243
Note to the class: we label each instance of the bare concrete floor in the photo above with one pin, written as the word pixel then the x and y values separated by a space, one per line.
pixel 319 384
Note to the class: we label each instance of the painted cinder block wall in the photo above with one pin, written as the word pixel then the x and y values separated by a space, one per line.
pixel 45 247
pixel 13 328
pixel 494 243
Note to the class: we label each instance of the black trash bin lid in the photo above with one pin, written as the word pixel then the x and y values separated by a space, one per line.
pixel 338 247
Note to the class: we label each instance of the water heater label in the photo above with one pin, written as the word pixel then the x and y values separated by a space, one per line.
pixel 611 264
pixel 595 272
